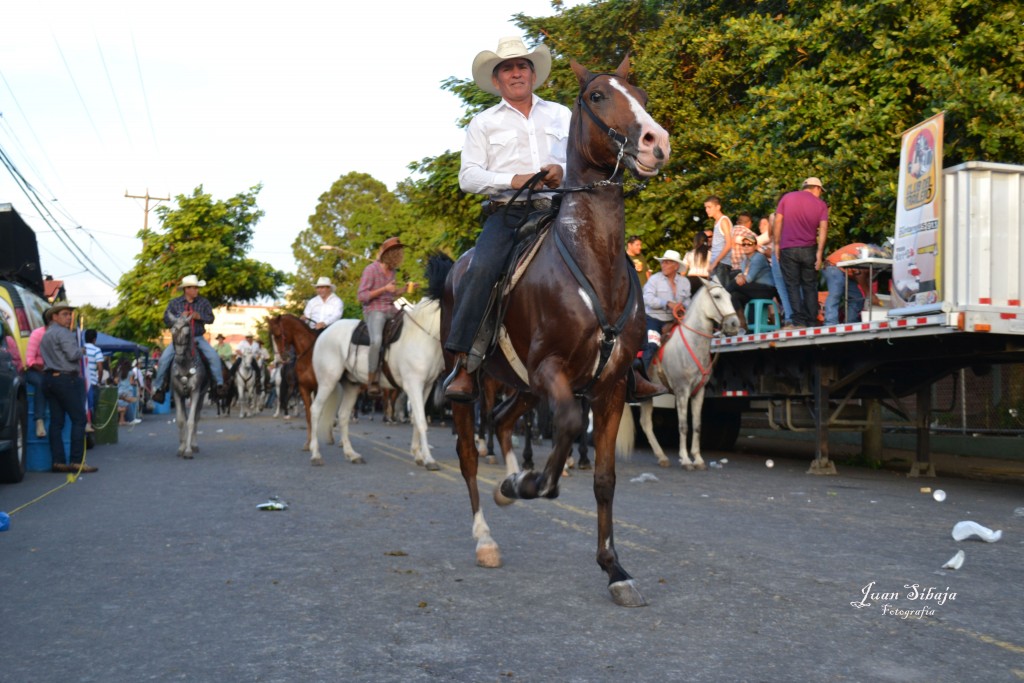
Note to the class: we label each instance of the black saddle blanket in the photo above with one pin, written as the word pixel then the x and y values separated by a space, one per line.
pixel 392 330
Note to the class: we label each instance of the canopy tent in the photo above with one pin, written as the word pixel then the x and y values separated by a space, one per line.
pixel 109 344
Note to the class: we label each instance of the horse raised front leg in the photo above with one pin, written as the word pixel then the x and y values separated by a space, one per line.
pixel 550 380
pixel 505 417
pixel 487 552
pixel 647 425
pixel 607 413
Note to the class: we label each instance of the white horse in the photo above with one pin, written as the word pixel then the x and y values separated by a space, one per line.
pixel 414 360
pixel 188 383
pixel 245 383
pixel 685 367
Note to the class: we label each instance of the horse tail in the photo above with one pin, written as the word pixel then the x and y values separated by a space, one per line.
pixel 625 440
pixel 438 266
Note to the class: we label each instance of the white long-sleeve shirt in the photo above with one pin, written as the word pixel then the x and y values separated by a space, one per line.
pixel 658 298
pixel 320 311
pixel 501 142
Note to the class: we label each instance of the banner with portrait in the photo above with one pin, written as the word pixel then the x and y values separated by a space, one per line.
pixel 916 258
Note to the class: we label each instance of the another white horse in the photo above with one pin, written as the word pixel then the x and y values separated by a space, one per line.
pixel 685 367
pixel 245 383
pixel 414 360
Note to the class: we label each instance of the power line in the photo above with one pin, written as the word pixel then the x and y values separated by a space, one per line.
pixel 81 99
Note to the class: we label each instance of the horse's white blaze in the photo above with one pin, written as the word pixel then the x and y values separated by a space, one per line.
pixel 642 117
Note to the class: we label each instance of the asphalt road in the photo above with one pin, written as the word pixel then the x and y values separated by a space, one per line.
pixel 156 568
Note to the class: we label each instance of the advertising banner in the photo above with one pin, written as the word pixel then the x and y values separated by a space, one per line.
pixel 917 262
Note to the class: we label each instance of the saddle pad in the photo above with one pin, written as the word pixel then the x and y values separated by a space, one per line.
pixel 392 330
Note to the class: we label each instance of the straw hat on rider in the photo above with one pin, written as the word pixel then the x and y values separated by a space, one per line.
pixel 670 255
pixel 191 281
pixel 389 243
pixel 325 282
pixel 510 48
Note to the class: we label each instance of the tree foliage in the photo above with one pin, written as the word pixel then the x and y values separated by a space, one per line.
pixel 204 236
pixel 352 219
pixel 759 94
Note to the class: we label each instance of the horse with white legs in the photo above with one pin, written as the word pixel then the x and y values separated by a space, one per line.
pixel 245 383
pixel 413 361
pixel 188 383
pixel 684 366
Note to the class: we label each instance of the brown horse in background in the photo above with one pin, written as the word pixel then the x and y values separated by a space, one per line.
pixel 287 331
pixel 575 319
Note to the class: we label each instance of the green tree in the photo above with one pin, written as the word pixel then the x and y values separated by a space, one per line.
pixel 204 236
pixel 351 220
pixel 759 94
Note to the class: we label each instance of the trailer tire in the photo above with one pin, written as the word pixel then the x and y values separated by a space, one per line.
pixel 719 430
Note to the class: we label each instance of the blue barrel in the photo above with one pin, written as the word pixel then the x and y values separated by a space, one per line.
pixel 37 451
pixel 163 408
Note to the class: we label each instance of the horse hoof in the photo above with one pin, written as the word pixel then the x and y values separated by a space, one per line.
pixel 188 456
pixel 500 498
pixel 358 460
pixel 664 463
pixel 317 461
pixel 488 556
pixel 584 465
pixel 491 460
pixel 701 466
pixel 626 594
pixel 687 466
pixel 432 466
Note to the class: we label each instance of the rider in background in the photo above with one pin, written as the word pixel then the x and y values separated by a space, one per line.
pixel 666 296
pixel 377 292
pixel 199 310
pixel 324 308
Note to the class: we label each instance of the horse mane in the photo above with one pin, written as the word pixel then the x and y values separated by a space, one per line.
pixel 438 265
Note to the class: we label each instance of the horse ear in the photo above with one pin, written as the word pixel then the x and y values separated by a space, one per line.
pixel 582 74
pixel 623 70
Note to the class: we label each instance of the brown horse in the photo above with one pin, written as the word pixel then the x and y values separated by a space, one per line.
pixel 287 331
pixel 575 318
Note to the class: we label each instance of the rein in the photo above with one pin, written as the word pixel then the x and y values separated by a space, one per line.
pixel 611 332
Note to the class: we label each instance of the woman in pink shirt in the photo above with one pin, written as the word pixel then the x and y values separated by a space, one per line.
pixel 34 376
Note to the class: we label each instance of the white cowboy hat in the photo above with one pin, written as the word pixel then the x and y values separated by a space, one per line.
pixel 510 48
pixel 192 281
pixel 325 282
pixel 670 255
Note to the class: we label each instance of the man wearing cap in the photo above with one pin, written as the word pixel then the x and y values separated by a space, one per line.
pixel 377 291
pixel 799 232
pixel 199 310
pixel 666 296
pixel 324 308
pixel 64 388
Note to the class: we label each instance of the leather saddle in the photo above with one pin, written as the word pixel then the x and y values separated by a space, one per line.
pixel 392 330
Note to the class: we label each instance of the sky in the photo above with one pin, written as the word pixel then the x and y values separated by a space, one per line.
pixel 105 99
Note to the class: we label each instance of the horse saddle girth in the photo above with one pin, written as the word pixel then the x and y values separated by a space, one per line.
pixel 392 330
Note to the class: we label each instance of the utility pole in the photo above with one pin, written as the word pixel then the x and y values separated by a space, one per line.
pixel 147 197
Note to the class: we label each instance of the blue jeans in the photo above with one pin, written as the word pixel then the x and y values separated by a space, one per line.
pixel 474 291
pixel 840 287
pixel 780 287
pixel 801 283
pixel 35 378
pixel 167 357
pixel 66 396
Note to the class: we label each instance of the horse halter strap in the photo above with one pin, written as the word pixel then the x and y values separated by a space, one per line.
pixel 611 332
pixel 605 128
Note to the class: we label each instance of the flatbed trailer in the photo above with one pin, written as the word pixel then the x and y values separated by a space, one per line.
pixel 840 376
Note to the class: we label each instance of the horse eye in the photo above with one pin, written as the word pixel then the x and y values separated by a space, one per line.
pixel 596 96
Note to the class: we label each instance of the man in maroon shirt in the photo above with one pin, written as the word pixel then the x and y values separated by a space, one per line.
pixel 800 230
pixel 377 291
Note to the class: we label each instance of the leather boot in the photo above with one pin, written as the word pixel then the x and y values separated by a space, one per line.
pixel 460 385
pixel 373 385
pixel 639 389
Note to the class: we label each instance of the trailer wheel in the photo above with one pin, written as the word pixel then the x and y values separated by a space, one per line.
pixel 719 430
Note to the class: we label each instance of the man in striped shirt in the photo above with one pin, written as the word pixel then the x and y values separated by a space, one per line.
pixel 93 371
